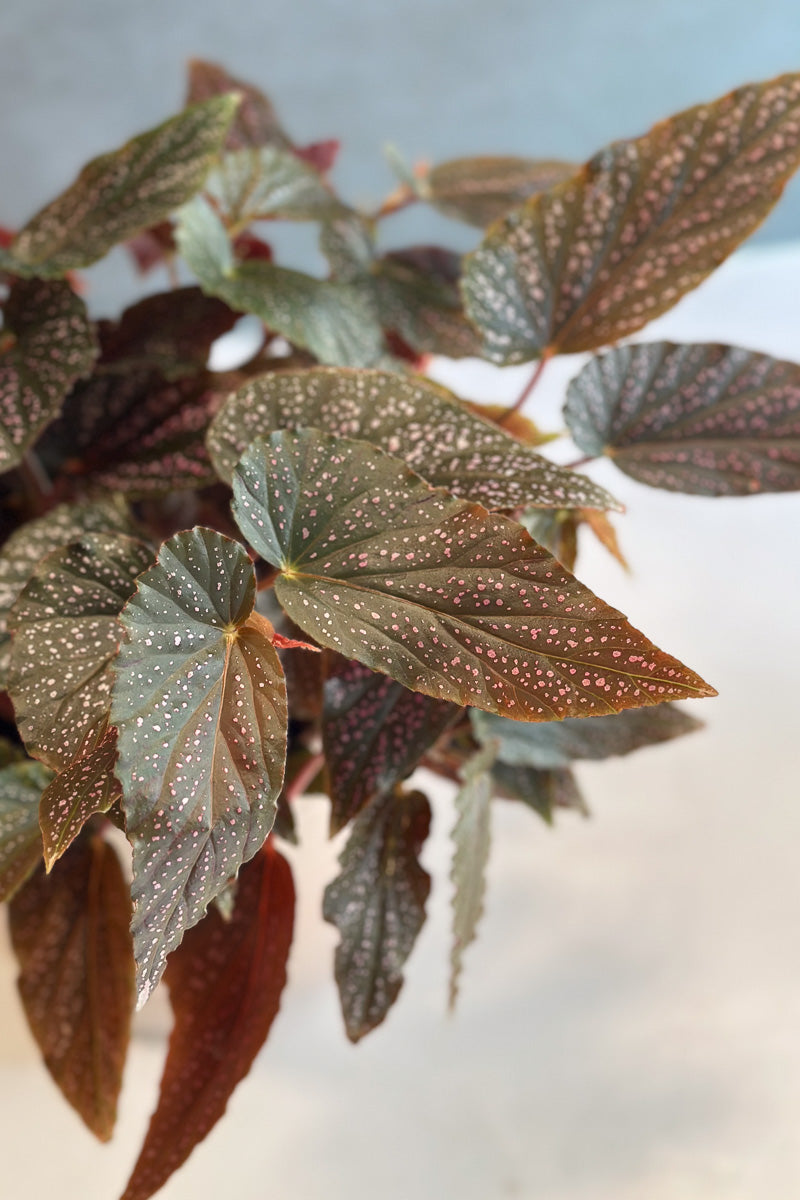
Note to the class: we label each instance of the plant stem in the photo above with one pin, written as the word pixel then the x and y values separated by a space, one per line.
pixel 580 462
pixel 402 197
pixel 304 776
pixel 529 386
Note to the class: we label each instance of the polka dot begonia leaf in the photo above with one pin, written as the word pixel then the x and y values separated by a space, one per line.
pixel 85 787
pixel 479 190
pixel 21 785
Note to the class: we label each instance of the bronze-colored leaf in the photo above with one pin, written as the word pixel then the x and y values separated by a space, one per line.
pixel 377 902
pixel 479 190
pixel 643 222
pixel 708 419
pixel 417 296
pixel 170 332
pixel 225 982
pixel 70 934
pixel 255 123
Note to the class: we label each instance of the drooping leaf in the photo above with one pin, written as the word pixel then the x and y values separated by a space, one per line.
pixel 479 190
pixel 560 743
pixel 374 732
pixel 170 332
pixel 66 636
pixel 417 296
pixel 225 982
pixel 200 705
pixel 32 541
pixel 255 123
pixel 542 790
pixel 21 785
pixel 271 184
pixel 335 321
pixel 85 787
pixel 52 344
pixel 709 419
pixel 448 599
pixel 118 194
pixel 377 902
pixel 70 934
pixel 471 839
pixel 646 220
pixel 606 534
pixel 415 420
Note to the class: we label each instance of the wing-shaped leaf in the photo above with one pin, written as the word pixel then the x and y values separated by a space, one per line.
pixel 377 903
pixel 66 636
pixel 70 934
pixel 52 344
pixel 335 321
pixel 255 123
pixel 31 542
pixel 471 839
pixel 479 190
pixel 646 220
pixel 118 194
pixel 374 732
pixel 271 184
pixel 21 785
pixel 417 295
pixel 543 791
pixel 225 982
pixel 415 420
pixel 87 786
pixel 710 419
pixel 443 596
pixel 560 743
pixel 200 706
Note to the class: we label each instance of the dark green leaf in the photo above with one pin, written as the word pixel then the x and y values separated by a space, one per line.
pixel 445 597
pixel 560 743
pixel 642 223
pixel 374 732
pixel 377 903
pixel 708 419
pixel 200 706
pixel 66 636
pixel 255 123
pixel 335 321
pixel 52 344
pixel 225 982
pixel 87 786
pixel 118 194
pixel 70 934
pixel 417 295
pixel 471 838
pixel 479 190
pixel 21 785
pixel 543 791
pixel 415 420
pixel 29 544
pixel 349 246
pixel 271 184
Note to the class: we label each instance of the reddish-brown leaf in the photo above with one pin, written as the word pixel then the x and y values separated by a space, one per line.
pixel 70 933
pixel 225 982
pixel 256 122
pixel 479 190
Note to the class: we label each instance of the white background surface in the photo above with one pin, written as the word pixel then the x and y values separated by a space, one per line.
pixel 629 1027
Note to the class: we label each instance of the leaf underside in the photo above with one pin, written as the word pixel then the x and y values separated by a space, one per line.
pixel 377 902
pixel 225 982
pixel 645 221
pixel 70 934
pixel 255 122
pixel 444 597
pixel 413 419
pixel 200 707
pixel 711 419
pixel 471 839
pixel 542 790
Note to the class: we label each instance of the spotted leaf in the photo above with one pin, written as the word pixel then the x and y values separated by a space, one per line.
pixel 335 321
pixel 50 344
pixel 479 190
pixel 271 184
pixel 710 419
pixel 70 934
pixel 643 222
pixel 255 122
pixel 374 732
pixel 118 194
pixel 415 420
pixel 33 540
pixel 66 636
pixel 448 599
pixel 560 743
pixel 542 790
pixel 21 784
pixel 87 786
pixel 377 902
pixel 417 296
pixel 225 982
pixel 471 839
pixel 200 706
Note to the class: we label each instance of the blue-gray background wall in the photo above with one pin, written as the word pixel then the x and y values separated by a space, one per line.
pixel 437 78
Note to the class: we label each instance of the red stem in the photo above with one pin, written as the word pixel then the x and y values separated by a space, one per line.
pixel 304 776
pixel 529 386
pixel 580 462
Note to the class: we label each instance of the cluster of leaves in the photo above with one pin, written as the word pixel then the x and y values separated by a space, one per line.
pixel 404 595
